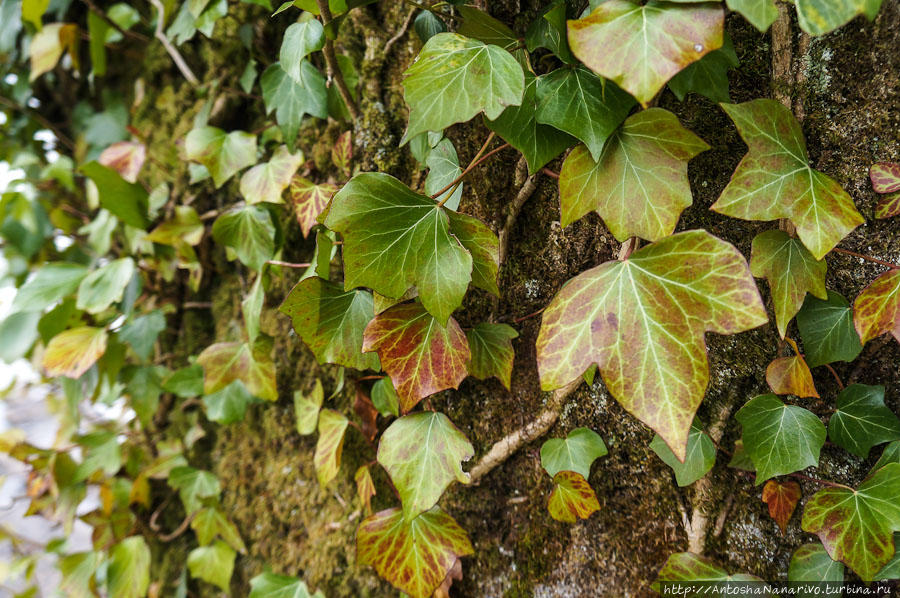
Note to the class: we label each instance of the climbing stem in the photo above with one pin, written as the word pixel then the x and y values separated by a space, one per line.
pixel 334 71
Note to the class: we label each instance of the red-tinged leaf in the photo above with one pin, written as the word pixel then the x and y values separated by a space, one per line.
pixel 690 567
pixel 888 206
pixel 414 556
pixel 223 363
pixel 454 574
pixel 774 180
pixel 365 487
pixel 267 181
pixel 492 351
pixel 185 227
pixel 126 158
pixel 876 310
pixel 791 376
pixel 73 352
pixel 327 458
pixel 782 498
pixel 642 47
pixel 421 356
pixel 572 498
pixel 342 152
pixel 885 177
pixel 309 199
pixel 856 526
pixel 367 414
pixel 631 319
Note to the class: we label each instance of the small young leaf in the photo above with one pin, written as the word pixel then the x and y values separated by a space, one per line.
pixel 549 31
pixel 576 452
pixel 105 285
pixel 267 181
pixel 47 47
pixel 774 180
pixel 186 382
pixel 224 363
pixel 51 283
pixel 327 458
pixel 271 585
pixel 210 522
pixel 423 453
pixel 782 498
pixel 141 332
pixel 492 352
pixel 185 227
pixel 300 40
pixel 250 232
pixel 791 376
pixel 888 206
pixel 342 152
pixel 454 78
pixel 760 13
pixel 791 270
pixel 385 398
pixel 427 25
pixel 642 47
pixel 420 355
pixel 101 453
pixel 126 158
pixel 193 485
pixel 856 526
pixel 128 569
pixel 443 169
pixel 708 76
pixel 826 328
pixel 817 17
pixel 292 100
pixel 699 458
pixel 73 352
pixel 740 459
pixel 251 308
pixel 213 564
pixel 876 310
pixel 365 487
pixel 306 409
pixel 309 199
pixel 779 438
pixel 862 420
pixel 228 405
pixel 639 185
pixel 572 498
pixel 223 154
pixel 885 177
pixel 811 562
pixel 414 556
pixel 77 571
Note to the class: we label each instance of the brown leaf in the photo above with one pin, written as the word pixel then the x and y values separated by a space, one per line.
pixel 782 498
pixel 455 572
pixel 126 158
pixel 367 413
pixel 791 376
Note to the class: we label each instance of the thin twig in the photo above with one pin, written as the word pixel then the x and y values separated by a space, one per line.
pixel 801 476
pixel 455 181
pixel 837 378
pixel 531 315
pixel 172 50
pixel 197 305
pixel 868 258
pixel 38 118
pixel 401 32
pixel 467 171
pixel 334 71
pixel 127 33
pixel 288 264
pixel 550 173
pixel 180 529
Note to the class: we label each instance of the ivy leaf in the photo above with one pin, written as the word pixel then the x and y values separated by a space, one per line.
pixel 365 487
pixel 126 158
pixel 327 458
pixel 271 585
pixel 420 355
pixel 128 568
pixel 888 206
pixel 856 526
pixel 690 567
pixel 223 154
pixel 572 498
pixel 492 352
pixel 101 453
pixel 127 201
pixel 309 200
pixel 862 420
pixel 708 76
pixel 229 404
pixel 885 177
pixel 414 556
pixel 248 230
pixel 779 438
pixel 105 285
pixel 549 31
pixel 193 485
pixel 78 573
pixel 331 322
pixel 210 522
pixel 699 457
pixel 306 409
pixel 454 78
pixel 443 169
pixel 876 310
pixel 782 498
pixel 642 47
pixel 811 562
pixel 186 382
pixel 483 246
pixel 791 270
pixel 740 459
pixel 817 17
pixel 423 453
pixel 576 452
pixel 791 376
pixel 223 363
pixel 892 569
pixel 213 564
pixel 639 185
pixel 760 13
pixel 300 40
pixel 73 352
pixel 141 332
pixel 51 283
pixel 47 47
pixel 826 328
pixel 342 153
pixel 427 25
pixel 774 180
pixel 267 181
pixel 518 126
pixel 385 398
pixel 479 25
pixel 185 227
pixel 395 238
pixel 582 104
pixel 890 454
pixel 292 100
pixel 614 315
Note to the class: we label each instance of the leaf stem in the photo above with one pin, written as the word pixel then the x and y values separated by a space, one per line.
pixel 550 173
pixel 334 71
pixel 801 476
pixel 868 258
pixel 478 159
pixel 837 378
pixel 288 264
pixel 170 49
pixel 125 32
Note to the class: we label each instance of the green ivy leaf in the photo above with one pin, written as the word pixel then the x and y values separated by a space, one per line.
pixel 420 355
pixel 250 232
pixel 331 322
pixel 639 185
pixel 306 409
pixel 443 169
pixel 128 569
pixel 78 573
pixel 817 17
pixel 427 25
pixel 51 283
pixel 774 180
pixel 856 526
pixel 213 564
pixel 18 331
pixel 826 328
pixel 740 459
pixel 811 563
pixel 73 352
pixel 210 522
pixel 414 556
pixel 270 585
pixel 892 569
pixel 292 100
pixel 185 227
pixel 479 25
pixel 483 246
pixel 492 352
pixel 101 453
pixel 862 420
pixel 327 458
pixel 223 154
pixel 142 331
pixel 105 285
pixel 576 452
pixel 223 363
pixel 186 382
pixel 760 13
pixel 127 201
pixel 519 127
pixel 549 31
pixel 614 315
pixel 582 104
pixel 454 78
pixel 193 485
pixel 423 453
pixel 228 404
pixel 385 398
pixel 300 40
pixel 890 454
pixel 692 568
pixel 699 458
pixel 876 310
pixel 572 498
pixel 267 181
pixel 708 76
pixel 779 438
pixel 791 270
pixel 642 47
pixel 251 308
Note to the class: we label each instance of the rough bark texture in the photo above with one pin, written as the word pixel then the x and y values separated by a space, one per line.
pixel 850 92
